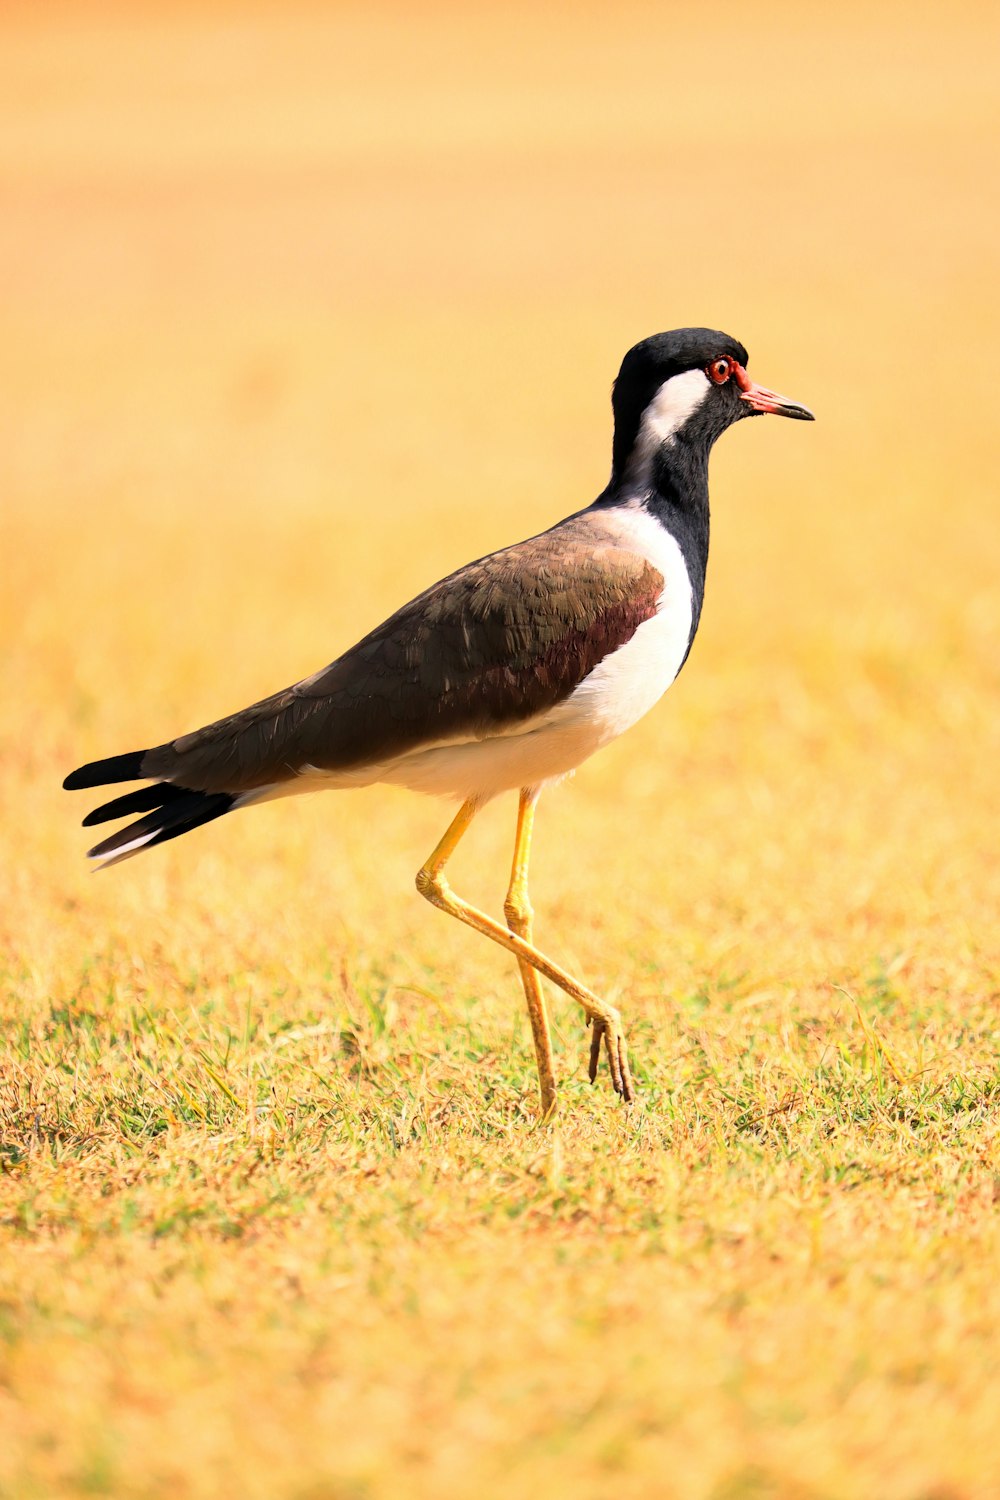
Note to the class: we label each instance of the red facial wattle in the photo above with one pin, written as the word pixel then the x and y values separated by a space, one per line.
pixel 757 397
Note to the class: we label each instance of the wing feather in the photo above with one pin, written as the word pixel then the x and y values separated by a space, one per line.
pixel 490 646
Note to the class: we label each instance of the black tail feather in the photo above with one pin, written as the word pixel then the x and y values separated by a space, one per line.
pixel 103 772
pixel 183 811
pixel 138 801
pixel 169 810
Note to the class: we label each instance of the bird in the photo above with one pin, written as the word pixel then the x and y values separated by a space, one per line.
pixel 504 676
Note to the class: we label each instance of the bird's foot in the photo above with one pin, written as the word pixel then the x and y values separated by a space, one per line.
pixel 608 1027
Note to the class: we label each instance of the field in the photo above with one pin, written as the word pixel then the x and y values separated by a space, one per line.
pixel 301 309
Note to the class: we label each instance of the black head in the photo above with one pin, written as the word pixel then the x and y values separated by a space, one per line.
pixel 690 385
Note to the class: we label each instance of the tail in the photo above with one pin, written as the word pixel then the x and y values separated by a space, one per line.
pixel 169 809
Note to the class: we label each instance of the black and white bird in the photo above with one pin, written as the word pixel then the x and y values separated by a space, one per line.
pixel 504 676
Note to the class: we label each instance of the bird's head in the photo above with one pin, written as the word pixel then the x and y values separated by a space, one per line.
pixel 686 386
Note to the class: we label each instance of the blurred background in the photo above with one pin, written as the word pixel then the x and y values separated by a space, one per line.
pixel 304 306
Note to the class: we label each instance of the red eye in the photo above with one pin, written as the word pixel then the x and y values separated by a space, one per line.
pixel 720 370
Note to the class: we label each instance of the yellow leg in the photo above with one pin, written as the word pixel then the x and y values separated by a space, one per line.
pixel 520 917
pixel 607 1022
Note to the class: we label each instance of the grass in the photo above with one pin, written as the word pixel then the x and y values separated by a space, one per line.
pixel 315 1254
pixel 299 313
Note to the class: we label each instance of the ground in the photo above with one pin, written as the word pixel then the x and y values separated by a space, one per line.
pixel 303 308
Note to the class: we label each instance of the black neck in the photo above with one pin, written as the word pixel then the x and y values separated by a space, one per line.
pixel 674 491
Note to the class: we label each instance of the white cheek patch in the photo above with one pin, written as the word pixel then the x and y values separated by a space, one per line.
pixel 676 400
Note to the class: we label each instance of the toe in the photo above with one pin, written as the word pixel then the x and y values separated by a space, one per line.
pixel 614 1062
pixel 597 1031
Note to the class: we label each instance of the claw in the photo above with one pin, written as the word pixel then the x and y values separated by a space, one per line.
pixel 614 1040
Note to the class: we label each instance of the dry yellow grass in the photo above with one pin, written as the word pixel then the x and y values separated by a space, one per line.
pixel 302 308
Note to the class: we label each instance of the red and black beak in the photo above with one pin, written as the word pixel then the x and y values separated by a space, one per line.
pixel 760 399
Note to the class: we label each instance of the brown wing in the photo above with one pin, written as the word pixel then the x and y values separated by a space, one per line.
pixel 488 647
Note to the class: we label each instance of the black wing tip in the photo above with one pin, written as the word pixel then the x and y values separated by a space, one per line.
pixel 180 815
pixel 103 772
pixel 143 799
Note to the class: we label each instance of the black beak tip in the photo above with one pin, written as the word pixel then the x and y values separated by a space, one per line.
pixel 761 403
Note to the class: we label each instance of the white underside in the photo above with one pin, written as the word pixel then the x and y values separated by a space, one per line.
pixel 618 692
